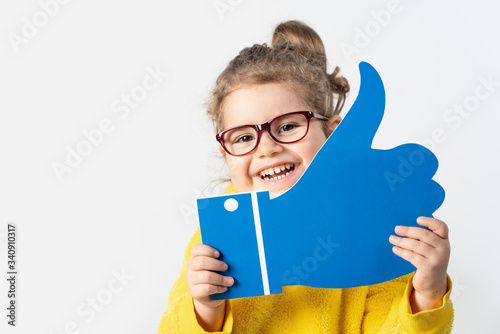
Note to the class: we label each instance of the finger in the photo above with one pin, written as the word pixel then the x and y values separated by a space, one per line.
pixel 414 258
pixel 413 245
pixel 208 263
pixel 204 250
pixel 419 233
pixel 209 277
pixel 203 290
pixel 437 226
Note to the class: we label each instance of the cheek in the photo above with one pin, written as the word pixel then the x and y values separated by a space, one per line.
pixel 309 157
pixel 237 167
pixel 311 150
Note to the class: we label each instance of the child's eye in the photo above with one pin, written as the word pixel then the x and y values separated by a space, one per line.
pixel 244 139
pixel 287 127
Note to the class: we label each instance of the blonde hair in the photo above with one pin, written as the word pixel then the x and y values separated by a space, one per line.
pixel 297 58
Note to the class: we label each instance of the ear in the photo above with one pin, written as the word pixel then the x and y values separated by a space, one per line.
pixel 333 122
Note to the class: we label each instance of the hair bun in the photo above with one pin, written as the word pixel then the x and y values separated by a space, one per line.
pixel 340 86
pixel 301 38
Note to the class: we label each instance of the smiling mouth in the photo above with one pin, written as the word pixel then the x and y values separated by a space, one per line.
pixel 277 172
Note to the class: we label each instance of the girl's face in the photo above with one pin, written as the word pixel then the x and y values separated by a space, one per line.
pixel 257 104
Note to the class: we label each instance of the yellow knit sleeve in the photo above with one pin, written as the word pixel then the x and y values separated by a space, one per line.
pixel 439 320
pixel 180 316
pixel 388 310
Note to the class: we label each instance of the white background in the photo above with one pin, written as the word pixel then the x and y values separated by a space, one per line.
pixel 128 206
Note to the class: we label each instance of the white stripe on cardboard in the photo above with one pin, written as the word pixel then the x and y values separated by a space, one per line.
pixel 260 243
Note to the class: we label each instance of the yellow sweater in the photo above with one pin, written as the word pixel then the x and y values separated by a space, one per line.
pixel 380 308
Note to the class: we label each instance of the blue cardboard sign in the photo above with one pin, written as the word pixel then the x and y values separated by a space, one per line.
pixel 331 229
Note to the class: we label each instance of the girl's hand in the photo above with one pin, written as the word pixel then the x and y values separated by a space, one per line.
pixel 429 252
pixel 201 279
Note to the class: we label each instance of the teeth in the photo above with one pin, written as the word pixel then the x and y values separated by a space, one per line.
pixel 267 173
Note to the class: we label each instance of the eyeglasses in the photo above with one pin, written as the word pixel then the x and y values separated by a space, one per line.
pixel 284 129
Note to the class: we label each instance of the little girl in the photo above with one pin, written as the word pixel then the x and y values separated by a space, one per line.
pixel 286 86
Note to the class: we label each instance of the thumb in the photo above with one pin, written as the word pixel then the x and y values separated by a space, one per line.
pixel 363 119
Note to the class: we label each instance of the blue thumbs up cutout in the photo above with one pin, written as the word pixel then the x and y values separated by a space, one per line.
pixel 331 229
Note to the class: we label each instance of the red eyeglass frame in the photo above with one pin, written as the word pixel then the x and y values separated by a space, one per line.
pixel 267 126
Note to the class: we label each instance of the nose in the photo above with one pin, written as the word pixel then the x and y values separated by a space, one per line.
pixel 267 146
